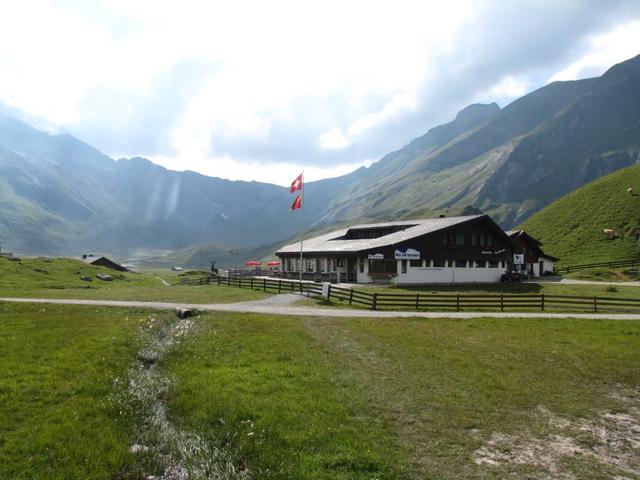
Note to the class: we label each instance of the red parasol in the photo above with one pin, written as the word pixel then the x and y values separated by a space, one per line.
pixel 273 264
pixel 252 264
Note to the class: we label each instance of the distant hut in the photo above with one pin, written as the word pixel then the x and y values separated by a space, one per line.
pixel 103 262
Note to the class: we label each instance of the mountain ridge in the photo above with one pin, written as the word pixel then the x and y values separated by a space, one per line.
pixel 59 194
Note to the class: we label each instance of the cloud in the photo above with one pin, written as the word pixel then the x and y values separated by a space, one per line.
pixel 247 88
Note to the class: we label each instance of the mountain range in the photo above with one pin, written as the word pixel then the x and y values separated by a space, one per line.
pixel 60 195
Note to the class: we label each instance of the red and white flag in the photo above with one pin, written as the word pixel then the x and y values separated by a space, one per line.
pixel 297 203
pixel 296 184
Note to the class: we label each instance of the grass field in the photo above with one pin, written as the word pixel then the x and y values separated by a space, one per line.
pixel 327 398
pixel 283 397
pixel 57 367
pixel 61 278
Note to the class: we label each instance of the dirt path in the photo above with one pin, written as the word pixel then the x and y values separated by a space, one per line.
pixel 571 281
pixel 270 306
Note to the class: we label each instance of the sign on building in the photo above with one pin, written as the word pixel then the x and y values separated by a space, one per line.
pixel 375 256
pixel 404 253
pixel 518 258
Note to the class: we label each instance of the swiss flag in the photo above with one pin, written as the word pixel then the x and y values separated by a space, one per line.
pixel 297 203
pixel 296 184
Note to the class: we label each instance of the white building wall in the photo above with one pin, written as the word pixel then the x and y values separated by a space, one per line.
pixel 448 275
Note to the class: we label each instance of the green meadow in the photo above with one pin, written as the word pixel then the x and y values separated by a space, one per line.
pixel 62 278
pixel 313 397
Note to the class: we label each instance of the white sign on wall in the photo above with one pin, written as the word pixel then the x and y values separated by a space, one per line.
pixel 518 258
pixel 375 256
pixel 404 253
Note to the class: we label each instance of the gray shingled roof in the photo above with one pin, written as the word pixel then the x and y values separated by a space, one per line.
pixel 331 242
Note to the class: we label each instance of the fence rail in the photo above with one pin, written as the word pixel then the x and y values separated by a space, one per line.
pixel 428 301
pixel 633 262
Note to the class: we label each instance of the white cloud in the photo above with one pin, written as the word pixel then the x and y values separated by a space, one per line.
pixel 509 87
pixel 278 173
pixel 333 140
pixel 604 50
pixel 333 74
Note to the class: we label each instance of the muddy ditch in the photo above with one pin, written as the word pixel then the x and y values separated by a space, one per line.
pixel 163 451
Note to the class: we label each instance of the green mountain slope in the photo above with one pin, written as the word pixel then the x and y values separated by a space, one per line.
pixel 572 228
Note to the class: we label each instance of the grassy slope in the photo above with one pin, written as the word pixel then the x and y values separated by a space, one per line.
pixel 571 228
pixel 60 278
pixel 57 366
pixel 405 398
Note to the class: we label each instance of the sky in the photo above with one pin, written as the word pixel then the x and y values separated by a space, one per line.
pixel 255 90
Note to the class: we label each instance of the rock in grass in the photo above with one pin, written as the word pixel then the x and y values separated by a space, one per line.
pixel 185 312
pixel 86 278
pixel 135 448
pixel 105 277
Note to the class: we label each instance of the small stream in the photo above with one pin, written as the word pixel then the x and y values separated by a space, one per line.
pixel 164 451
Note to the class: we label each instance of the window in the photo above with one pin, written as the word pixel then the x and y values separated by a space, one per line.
pixel 450 263
pixel 415 263
pixel 403 266
pixel 468 239
pixel 361 262
pixel 481 264
pixel 461 263
pixel 459 238
pixel 340 262
pixel 503 264
pixel 438 263
pixel 450 238
pixel 383 266
pixel 309 264
pixel 493 264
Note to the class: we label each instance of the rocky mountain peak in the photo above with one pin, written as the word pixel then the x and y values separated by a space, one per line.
pixel 477 111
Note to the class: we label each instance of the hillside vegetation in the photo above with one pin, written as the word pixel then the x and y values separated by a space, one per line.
pixel 572 227
pixel 62 278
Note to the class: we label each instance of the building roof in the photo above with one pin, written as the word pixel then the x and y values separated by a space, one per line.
pixel 335 242
pixel 93 259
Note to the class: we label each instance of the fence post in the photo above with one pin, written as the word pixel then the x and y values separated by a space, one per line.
pixel 329 293
pixel 219 280
pixel 251 283
pixel 279 285
pixel 351 296
pixel 228 281
pixel 417 301
pixel 458 301
pixel 264 284
pixel 502 302
pixel 375 301
pixel 300 283
pixel 595 304
pixel 542 302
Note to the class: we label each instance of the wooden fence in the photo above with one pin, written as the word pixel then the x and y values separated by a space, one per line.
pixel 634 262
pixel 430 301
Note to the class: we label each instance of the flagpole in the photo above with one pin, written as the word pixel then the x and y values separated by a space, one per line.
pixel 301 228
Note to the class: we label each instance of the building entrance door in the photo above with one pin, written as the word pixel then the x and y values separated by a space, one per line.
pixel 352 273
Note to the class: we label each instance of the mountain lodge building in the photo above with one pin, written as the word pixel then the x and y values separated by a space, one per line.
pixel 438 250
